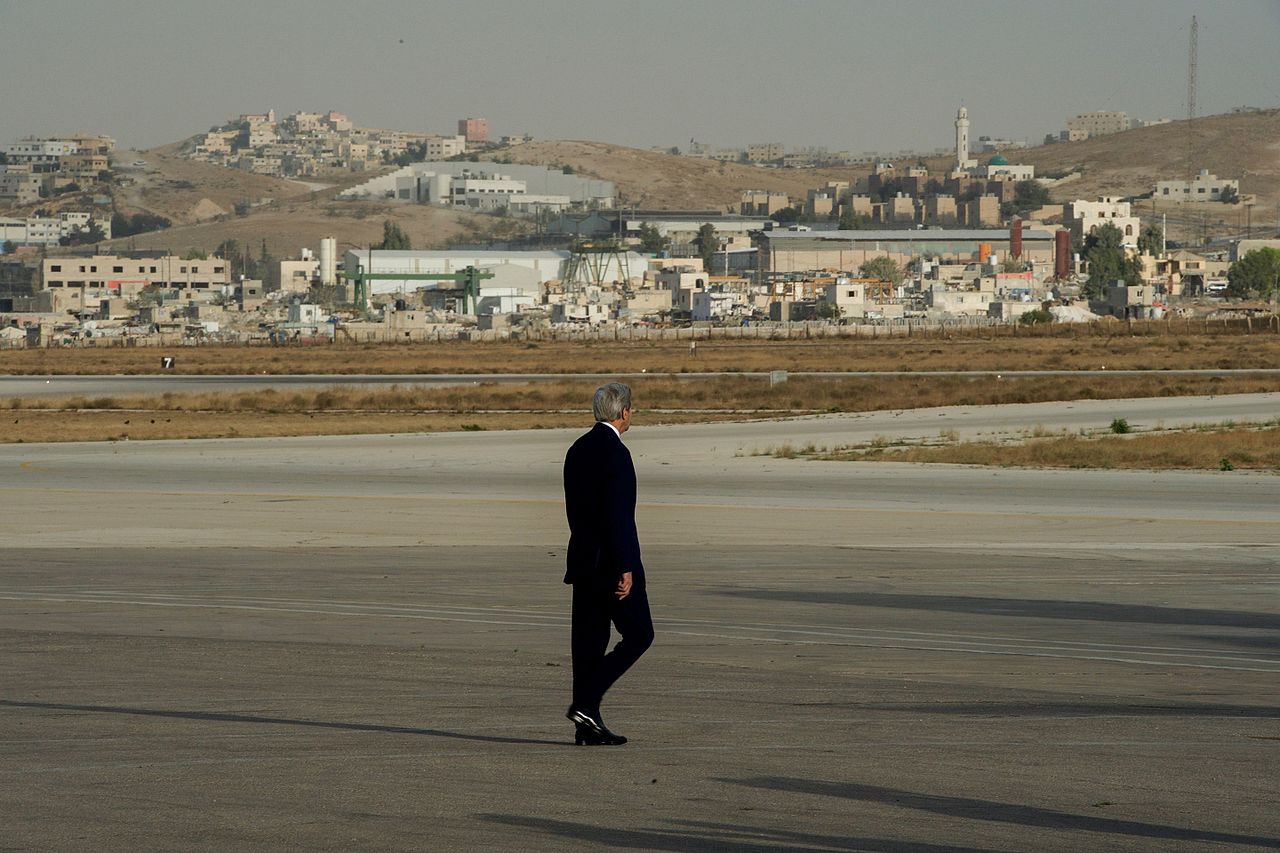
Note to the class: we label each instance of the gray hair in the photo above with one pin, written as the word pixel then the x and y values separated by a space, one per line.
pixel 609 401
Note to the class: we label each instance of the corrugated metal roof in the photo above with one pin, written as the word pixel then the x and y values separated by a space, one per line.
pixel 448 254
pixel 909 235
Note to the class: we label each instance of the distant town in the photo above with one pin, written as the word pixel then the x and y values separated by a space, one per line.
pixel 964 235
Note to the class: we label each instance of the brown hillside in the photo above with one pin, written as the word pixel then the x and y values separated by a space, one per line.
pixel 289 226
pixel 1245 146
pixel 286 214
pixel 647 178
pixel 162 187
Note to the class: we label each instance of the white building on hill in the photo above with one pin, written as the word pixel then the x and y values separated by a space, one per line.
pixel 1203 187
pixel 486 185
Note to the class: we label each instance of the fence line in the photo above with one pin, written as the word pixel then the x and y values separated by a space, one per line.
pixel 978 328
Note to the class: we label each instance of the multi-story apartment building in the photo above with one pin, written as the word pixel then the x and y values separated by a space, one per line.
pixel 40 155
pixel 940 210
pixel 122 276
pixel 982 211
pixel 1082 217
pixel 443 147
pixel 86 144
pixel 763 202
pixel 260 135
pixel 84 165
pixel 1100 123
pixel 306 122
pixel 765 152
pixel 49 230
pixel 474 129
pixel 18 185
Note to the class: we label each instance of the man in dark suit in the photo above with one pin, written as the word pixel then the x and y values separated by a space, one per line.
pixel 603 562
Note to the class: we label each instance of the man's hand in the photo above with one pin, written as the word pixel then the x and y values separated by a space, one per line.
pixel 624 585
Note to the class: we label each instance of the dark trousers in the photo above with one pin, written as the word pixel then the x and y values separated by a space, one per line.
pixel 595 608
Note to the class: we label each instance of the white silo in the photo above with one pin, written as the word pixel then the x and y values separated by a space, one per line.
pixel 328 260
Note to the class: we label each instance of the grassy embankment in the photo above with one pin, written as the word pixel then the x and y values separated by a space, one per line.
pixel 659 399
pixel 1222 447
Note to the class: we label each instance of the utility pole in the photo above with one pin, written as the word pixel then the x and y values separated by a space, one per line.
pixel 1191 98
pixel 1191 71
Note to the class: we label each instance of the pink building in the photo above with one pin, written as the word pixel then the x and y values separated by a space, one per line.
pixel 474 129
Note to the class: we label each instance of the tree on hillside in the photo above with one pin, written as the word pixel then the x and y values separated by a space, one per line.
pixel 1027 196
pixel 1256 275
pixel 1108 261
pixel 849 221
pixel 229 250
pixel 194 254
pixel 393 237
pixel 883 268
pixel 889 189
pixel 139 223
pixel 1151 239
pixel 651 240
pixel 268 269
pixel 1229 195
pixel 81 236
pixel 707 243
pixel 785 216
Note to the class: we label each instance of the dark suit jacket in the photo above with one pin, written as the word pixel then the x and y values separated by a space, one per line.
pixel 600 499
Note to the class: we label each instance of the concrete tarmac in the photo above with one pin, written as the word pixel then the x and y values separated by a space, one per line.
pixel 361 643
pixel 63 385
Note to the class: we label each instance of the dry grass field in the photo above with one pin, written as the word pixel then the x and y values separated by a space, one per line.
pixel 1224 448
pixel 659 399
pixel 1099 346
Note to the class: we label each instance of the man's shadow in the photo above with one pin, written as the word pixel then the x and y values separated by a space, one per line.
pixel 218 717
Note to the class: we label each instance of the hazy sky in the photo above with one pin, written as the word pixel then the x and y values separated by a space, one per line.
pixel 839 73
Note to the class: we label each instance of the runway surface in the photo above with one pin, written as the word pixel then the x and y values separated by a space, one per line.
pixel 361 642
pixel 70 385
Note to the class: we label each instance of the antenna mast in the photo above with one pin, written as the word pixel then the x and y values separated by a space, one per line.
pixel 1191 71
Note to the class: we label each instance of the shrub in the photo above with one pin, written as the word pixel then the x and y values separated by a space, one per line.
pixel 1120 426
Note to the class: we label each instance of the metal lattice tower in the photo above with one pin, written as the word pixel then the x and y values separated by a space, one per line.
pixel 592 262
pixel 1191 71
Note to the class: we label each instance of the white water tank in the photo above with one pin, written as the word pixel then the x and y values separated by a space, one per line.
pixel 328 260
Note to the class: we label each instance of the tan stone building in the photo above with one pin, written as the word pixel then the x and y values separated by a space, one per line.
pixel 806 251
pixel 84 165
pixel 763 202
pixel 765 152
pixel 1100 123
pixel 901 209
pixel 112 275
pixel 940 210
pixel 982 212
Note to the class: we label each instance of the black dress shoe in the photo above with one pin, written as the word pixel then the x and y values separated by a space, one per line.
pixel 587 736
pixel 584 718
pixel 591 730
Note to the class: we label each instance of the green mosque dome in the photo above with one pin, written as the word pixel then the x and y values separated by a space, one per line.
pixel 998 160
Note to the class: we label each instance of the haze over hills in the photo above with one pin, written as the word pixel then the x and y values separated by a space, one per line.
pixel 201 198
pixel 647 178
pixel 1235 145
